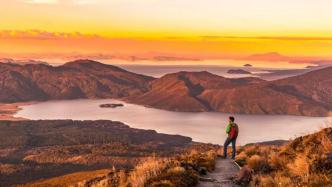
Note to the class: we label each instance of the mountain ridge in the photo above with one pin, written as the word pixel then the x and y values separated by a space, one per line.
pixel 73 80
pixel 308 94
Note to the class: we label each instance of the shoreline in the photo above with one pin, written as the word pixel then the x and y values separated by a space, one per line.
pixel 8 111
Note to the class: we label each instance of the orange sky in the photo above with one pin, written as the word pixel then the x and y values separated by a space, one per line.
pixel 193 29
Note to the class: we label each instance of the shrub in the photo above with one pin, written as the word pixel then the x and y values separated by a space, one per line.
pixel 148 169
pixel 281 180
pixel 300 167
pixel 251 150
pixel 258 164
pixel 318 180
pixel 241 158
pixel 277 161
pixel 266 181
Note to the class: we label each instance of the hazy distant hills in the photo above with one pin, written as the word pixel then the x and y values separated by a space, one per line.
pixel 309 94
pixel 21 62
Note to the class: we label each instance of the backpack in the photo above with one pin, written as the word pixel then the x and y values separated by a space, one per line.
pixel 234 131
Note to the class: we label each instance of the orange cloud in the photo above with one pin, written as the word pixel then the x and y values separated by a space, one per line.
pixel 268 38
pixel 42 35
pixel 43 42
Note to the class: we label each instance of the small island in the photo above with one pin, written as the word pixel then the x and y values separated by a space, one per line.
pixel 311 67
pixel 111 105
pixel 238 71
pixel 247 65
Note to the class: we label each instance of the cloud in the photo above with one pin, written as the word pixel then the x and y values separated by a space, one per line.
pixel 76 2
pixel 83 2
pixel 40 1
pixel 42 35
pixel 266 38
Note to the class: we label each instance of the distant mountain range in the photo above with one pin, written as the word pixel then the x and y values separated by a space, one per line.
pixel 22 62
pixel 309 94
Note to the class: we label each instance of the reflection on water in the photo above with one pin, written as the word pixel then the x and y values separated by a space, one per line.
pixel 205 127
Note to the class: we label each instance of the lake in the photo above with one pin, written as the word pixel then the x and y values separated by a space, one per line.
pixel 207 127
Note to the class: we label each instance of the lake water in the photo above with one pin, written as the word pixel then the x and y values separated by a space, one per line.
pixel 205 127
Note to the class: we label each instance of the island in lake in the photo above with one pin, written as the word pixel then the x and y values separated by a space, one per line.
pixel 111 105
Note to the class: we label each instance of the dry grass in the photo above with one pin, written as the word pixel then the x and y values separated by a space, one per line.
pixel 148 169
pixel 277 162
pixel 68 180
pixel 299 167
pixel 123 179
pixel 326 143
pixel 181 169
pixel 281 180
pixel 305 161
pixel 258 163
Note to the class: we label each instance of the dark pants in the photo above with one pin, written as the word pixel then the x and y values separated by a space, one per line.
pixel 227 142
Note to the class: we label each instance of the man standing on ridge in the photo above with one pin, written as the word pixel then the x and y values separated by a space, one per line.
pixel 232 130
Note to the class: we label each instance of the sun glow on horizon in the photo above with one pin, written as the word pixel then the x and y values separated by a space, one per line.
pixel 202 28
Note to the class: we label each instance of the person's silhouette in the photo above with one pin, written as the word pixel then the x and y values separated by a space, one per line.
pixel 232 130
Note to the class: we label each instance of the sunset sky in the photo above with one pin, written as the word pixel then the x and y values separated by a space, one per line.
pixel 200 28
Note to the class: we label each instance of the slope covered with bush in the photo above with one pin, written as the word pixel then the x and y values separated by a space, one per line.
pixel 305 161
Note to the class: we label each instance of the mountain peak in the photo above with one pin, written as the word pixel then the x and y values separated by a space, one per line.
pixel 271 56
pixel 83 62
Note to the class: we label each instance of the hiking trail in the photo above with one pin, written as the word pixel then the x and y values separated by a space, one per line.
pixel 225 171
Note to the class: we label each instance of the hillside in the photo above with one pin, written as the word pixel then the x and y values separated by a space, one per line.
pixel 308 94
pixel 305 161
pixel 78 79
pixel 182 91
pixel 32 150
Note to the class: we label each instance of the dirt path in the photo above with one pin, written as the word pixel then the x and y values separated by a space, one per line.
pixel 222 176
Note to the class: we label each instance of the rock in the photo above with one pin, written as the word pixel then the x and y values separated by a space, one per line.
pixel 202 171
pixel 244 176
